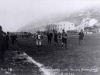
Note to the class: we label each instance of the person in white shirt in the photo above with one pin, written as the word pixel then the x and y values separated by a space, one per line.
pixel 38 39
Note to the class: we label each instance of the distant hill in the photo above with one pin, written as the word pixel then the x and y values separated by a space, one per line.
pixel 40 24
pixel 76 17
pixel 89 11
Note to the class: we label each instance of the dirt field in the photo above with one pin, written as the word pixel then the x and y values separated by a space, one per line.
pixel 78 59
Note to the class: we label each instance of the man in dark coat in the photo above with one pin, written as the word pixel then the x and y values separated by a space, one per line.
pixel 81 35
pixel 13 38
pixel 55 38
pixel 7 40
pixel 2 44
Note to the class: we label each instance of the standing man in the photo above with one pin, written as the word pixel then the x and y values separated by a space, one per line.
pixel 13 38
pixel 81 35
pixel 64 38
pixel 49 35
pixel 2 43
pixel 7 40
pixel 38 39
pixel 55 38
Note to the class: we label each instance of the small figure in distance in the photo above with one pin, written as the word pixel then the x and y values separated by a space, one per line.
pixel 81 35
pixel 56 38
pixel 13 38
pixel 49 36
pixel 7 40
pixel 64 39
pixel 38 39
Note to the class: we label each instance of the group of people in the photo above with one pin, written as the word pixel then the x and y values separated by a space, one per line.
pixel 4 42
pixel 54 35
pixel 4 39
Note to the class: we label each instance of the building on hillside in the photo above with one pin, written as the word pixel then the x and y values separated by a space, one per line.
pixel 63 26
pixel 92 22
pixel 86 22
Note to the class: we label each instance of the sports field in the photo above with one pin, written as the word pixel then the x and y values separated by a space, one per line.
pixel 77 59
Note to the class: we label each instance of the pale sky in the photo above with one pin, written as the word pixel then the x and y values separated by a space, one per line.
pixel 15 14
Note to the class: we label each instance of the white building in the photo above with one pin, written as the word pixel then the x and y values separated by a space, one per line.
pixel 92 22
pixel 86 22
pixel 63 26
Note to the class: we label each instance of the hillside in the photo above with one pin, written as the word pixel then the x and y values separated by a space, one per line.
pixel 40 24
pixel 89 11
pixel 76 17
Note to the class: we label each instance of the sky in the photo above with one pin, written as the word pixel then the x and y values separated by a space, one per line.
pixel 15 14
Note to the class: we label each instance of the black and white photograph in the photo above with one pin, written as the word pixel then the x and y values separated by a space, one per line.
pixel 49 37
